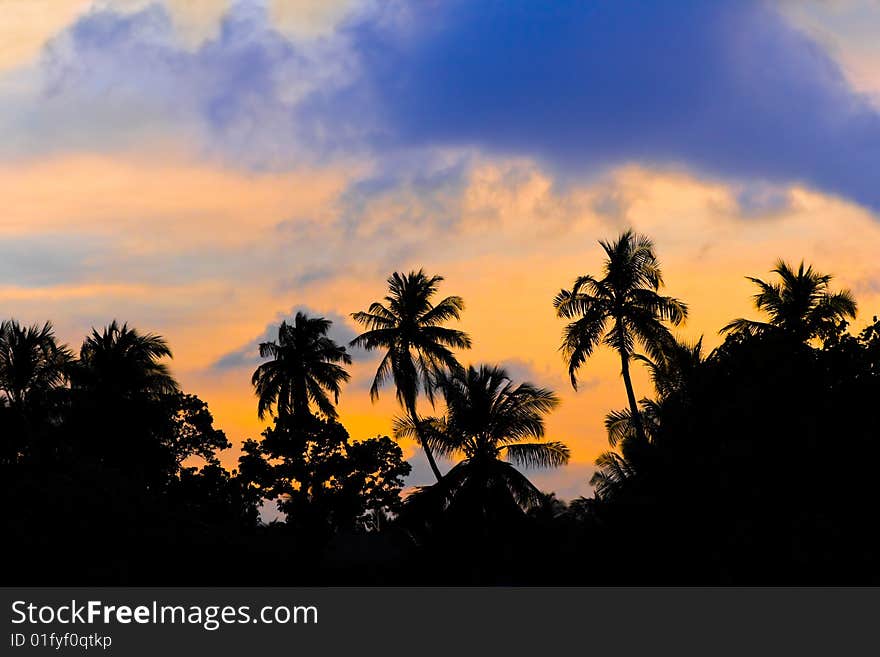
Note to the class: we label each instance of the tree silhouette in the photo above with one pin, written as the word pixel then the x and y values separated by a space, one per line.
pixel 188 430
pixel 323 482
pixel 801 305
pixel 674 366
pixel 304 369
pixel 627 298
pixel 119 393
pixel 673 371
pixel 494 425
pixel 121 362
pixel 408 326
pixel 754 463
pixel 31 362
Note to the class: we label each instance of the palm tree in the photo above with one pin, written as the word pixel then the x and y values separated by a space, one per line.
pixel 304 370
pixel 494 425
pixel 614 473
pixel 674 372
pixel 627 298
pixel 801 305
pixel 408 326
pixel 31 362
pixel 675 367
pixel 121 361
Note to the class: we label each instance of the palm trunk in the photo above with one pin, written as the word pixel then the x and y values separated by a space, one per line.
pixel 300 399
pixel 631 396
pixel 415 418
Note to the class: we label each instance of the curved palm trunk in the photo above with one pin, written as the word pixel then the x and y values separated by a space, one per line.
pixel 631 396
pixel 415 418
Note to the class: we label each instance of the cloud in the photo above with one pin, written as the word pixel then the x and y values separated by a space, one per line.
pixel 117 79
pixel 406 201
pixel 308 19
pixel 230 249
pixel 547 375
pixel 848 29
pixel 569 482
pixel 421 473
pixel 32 23
pixel 48 259
pixel 248 355
pixel 761 200
pixel 727 88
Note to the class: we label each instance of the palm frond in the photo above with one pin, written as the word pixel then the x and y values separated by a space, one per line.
pixel 551 454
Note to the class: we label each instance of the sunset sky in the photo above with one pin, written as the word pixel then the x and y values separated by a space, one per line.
pixel 204 168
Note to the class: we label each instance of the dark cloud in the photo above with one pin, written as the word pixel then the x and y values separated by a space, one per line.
pixel 725 87
pixel 248 355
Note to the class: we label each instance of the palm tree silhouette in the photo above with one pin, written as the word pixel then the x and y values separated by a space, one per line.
pixel 801 305
pixel 674 367
pixel 31 362
pixel 304 369
pixel 494 425
pixel 673 371
pixel 120 361
pixel 616 468
pixel 408 326
pixel 627 297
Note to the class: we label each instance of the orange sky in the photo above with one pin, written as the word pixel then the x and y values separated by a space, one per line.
pixel 515 241
pixel 119 202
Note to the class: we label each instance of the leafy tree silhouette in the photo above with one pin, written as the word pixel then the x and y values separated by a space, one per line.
pixel 627 298
pixel 303 370
pixel 408 327
pixel 118 459
pixel 752 464
pixel 323 482
pixel 674 368
pixel 188 431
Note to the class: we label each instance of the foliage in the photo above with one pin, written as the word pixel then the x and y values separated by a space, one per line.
pixel 619 310
pixel 494 425
pixel 801 305
pixel 32 364
pixel 121 363
pixel 408 327
pixel 754 463
pixel 303 371
pixel 323 482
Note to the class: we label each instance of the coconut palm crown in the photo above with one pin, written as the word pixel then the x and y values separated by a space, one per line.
pixel 119 360
pixel 408 326
pixel 304 369
pixel 801 304
pixel 493 425
pixel 619 310
pixel 32 362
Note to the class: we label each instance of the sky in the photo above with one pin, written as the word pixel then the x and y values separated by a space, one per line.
pixel 205 168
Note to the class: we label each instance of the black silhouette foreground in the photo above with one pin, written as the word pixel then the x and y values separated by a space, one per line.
pixel 752 464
